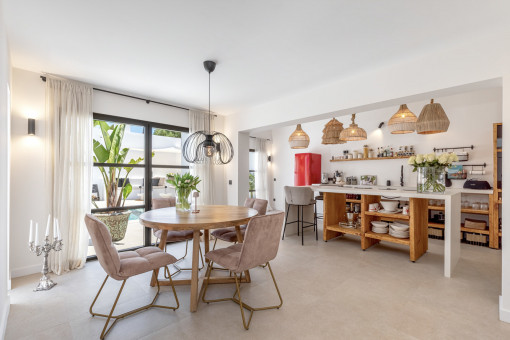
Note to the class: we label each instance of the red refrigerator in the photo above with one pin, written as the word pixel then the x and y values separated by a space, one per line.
pixel 307 169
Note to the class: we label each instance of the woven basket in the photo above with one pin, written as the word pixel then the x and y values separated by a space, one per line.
pixel 299 139
pixel 432 119
pixel 331 132
pixel 403 121
pixel 353 132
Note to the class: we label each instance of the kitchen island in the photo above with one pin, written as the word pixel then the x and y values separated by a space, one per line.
pixel 334 212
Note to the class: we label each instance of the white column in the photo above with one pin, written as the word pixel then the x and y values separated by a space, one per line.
pixel 451 233
pixel 243 170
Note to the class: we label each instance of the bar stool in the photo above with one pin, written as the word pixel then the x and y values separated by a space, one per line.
pixel 300 197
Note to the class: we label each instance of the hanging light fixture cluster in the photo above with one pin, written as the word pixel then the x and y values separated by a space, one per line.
pixel 432 119
pixel 331 132
pixel 207 145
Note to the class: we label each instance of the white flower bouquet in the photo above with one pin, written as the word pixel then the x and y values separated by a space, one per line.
pixel 431 170
pixel 443 161
pixel 184 185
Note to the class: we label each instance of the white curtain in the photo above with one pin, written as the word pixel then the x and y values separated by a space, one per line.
pixel 69 155
pixel 261 170
pixel 199 121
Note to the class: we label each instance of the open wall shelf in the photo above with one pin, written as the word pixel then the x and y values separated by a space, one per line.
pixel 368 159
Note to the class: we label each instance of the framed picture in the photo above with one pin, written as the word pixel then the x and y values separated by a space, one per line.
pixel 456 172
pixel 368 180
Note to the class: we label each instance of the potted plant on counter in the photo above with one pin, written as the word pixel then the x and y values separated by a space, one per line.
pixel 184 185
pixel 115 179
pixel 432 170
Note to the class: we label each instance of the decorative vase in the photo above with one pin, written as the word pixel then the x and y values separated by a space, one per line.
pixel 117 223
pixel 183 202
pixel 431 179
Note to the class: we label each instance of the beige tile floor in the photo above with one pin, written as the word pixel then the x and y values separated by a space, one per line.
pixel 331 290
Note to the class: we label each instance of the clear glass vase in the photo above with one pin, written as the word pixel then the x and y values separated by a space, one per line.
pixel 431 179
pixel 183 202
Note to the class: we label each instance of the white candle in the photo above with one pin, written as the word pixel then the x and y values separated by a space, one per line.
pixel 48 226
pixel 36 233
pixel 31 237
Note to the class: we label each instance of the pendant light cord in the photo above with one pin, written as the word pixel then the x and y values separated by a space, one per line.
pixel 209 102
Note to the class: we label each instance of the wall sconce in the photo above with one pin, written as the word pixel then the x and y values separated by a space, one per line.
pixel 269 158
pixel 31 126
pixel 381 124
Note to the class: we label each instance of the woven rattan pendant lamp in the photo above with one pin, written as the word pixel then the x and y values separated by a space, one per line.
pixel 299 139
pixel 353 132
pixel 331 132
pixel 432 119
pixel 404 121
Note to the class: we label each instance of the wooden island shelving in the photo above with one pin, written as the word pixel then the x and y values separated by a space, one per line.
pixel 334 212
pixel 464 211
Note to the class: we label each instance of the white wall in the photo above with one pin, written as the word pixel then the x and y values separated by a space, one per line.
pixel 471 116
pixel 28 194
pixel 5 68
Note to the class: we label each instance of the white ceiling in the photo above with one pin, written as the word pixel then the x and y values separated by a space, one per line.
pixel 264 49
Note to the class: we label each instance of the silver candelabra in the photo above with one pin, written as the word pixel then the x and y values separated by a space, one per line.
pixel 45 283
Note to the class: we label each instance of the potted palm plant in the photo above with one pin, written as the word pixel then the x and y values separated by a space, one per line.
pixel 115 179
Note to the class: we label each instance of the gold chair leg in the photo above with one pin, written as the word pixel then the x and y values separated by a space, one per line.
pixel 206 285
pixel 110 316
pixel 179 269
pixel 241 306
pixel 105 330
pixel 237 292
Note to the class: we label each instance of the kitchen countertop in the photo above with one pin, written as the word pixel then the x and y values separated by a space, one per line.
pixel 452 200
pixel 394 191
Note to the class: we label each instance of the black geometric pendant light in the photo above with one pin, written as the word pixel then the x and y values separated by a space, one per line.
pixel 208 146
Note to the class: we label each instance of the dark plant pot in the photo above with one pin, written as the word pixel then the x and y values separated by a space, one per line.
pixel 116 222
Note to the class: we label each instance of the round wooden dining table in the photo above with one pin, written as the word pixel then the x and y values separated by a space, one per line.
pixel 209 217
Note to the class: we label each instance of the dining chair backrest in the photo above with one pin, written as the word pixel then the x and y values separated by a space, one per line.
pixel 298 195
pixel 258 204
pixel 261 240
pixel 160 203
pixel 163 202
pixel 102 240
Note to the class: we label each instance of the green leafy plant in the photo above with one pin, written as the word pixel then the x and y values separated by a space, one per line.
pixel 111 151
pixel 251 183
pixel 184 185
pixel 167 133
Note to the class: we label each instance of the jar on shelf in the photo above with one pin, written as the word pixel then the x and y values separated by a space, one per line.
pixel 365 151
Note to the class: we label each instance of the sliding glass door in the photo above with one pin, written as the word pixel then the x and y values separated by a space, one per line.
pixel 131 161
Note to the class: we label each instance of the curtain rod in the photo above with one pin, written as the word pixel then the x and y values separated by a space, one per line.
pixel 148 101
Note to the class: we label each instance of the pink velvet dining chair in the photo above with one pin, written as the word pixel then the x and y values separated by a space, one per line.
pixel 229 234
pixel 124 265
pixel 260 246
